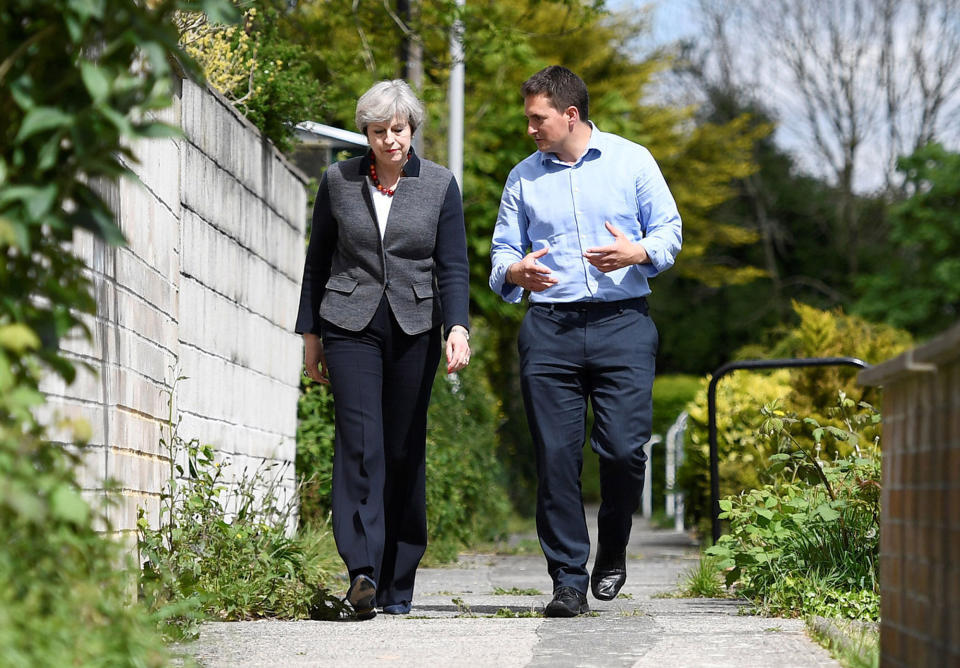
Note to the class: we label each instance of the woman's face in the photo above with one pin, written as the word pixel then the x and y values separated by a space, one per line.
pixel 390 141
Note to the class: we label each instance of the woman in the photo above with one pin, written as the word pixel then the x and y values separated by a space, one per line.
pixel 386 271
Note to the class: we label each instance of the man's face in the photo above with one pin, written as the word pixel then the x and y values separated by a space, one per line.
pixel 548 127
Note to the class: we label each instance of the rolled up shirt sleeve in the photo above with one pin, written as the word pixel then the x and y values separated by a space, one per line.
pixel 510 240
pixel 658 216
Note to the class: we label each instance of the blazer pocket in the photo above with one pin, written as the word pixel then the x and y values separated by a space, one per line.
pixel 423 290
pixel 343 284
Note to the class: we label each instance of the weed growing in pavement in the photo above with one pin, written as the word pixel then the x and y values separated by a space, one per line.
pixel 705 580
pixel 634 612
pixel 854 644
pixel 463 610
pixel 516 591
pixel 507 613
pixel 222 550
pixel 808 542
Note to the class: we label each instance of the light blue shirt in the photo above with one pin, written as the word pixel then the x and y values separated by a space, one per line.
pixel 561 206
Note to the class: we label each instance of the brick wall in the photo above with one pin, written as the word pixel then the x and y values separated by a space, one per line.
pixel 207 288
pixel 920 522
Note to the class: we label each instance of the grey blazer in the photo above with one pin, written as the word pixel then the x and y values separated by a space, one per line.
pixel 420 264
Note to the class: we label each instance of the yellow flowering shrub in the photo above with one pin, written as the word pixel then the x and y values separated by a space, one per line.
pixel 743 454
pixel 259 66
pixel 227 53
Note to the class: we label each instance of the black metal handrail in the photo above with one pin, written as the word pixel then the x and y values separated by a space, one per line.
pixel 712 412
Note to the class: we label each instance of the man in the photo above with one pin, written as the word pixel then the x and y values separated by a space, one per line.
pixel 584 222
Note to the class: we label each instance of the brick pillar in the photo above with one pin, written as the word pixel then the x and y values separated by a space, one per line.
pixel 920 505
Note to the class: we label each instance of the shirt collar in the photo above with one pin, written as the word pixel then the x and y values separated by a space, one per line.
pixel 410 168
pixel 594 144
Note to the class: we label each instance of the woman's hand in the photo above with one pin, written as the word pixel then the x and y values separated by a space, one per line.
pixel 458 349
pixel 313 358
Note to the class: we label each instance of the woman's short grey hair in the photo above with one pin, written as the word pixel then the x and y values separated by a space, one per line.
pixel 386 99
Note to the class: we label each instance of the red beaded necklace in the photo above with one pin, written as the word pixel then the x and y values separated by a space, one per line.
pixel 376 182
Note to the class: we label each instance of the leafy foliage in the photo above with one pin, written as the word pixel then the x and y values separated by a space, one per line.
pixel 919 289
pixel 67 116
pixel 64 587
pixel 742 451
pixel 211 560
pixel 258 66
pixel 832 334
pixel 314 451
pixel 467 501
pixel 78 82
pixel 807 542
pixel 795 219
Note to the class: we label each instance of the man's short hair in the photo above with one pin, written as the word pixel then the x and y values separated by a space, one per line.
pixel 561 86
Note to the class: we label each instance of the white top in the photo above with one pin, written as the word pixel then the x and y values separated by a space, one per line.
pixel 381 202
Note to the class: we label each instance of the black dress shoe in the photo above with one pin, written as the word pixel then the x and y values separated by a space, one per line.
pixel 361 597
pixel 567 602
pixel 609 573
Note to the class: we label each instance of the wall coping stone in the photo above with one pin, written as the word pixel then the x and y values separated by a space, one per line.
pixel 228 105
pixel 942 349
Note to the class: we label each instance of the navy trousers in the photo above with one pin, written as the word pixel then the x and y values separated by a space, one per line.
pixel 381 380
pixel 603 352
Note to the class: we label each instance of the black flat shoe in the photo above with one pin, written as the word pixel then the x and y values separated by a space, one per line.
pixel 567 602
pixel 361 597
pixel 609 573
pixel 401 608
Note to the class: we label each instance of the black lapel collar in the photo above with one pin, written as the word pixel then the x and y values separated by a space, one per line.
pixel 411 168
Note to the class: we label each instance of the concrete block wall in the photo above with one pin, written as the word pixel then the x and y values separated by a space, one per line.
pixel 207 288
pixel 920 504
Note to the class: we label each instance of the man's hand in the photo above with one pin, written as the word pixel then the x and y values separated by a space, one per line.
pixel 529 275
pixel 621 253
pixel 314 360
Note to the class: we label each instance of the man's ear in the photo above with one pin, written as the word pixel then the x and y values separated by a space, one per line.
pixel 573 116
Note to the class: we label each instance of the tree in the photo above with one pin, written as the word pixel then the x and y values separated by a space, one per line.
pixel 351 45
pixel 853 83
pixel 793 216
pixel 919 289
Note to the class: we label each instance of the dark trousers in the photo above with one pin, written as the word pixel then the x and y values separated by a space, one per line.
pixel 381 380
pixel 571 353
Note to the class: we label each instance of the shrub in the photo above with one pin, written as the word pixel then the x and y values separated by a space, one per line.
pixel 314 451
pixel 834 334
pixel 808 541
pixel 810 391
pixel 223 552
pixel 64 587
pixel 741 451
pixel 77 84
pixel 467 501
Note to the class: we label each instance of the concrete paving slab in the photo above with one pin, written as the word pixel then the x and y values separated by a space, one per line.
pixel 478 614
